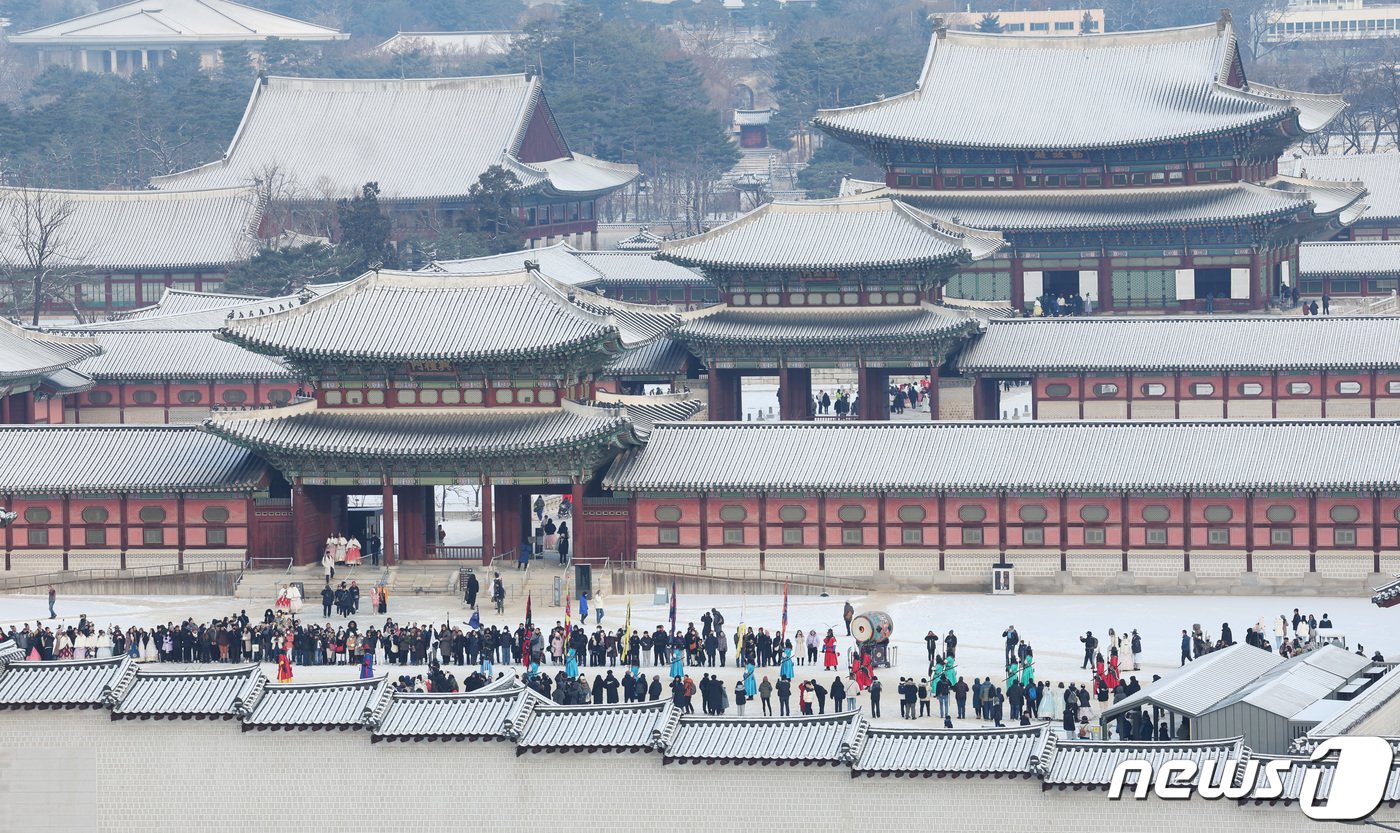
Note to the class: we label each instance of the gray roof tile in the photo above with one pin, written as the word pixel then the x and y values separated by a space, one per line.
pixel 1074 92
pixel 1379 172
pixel 559 262
pixel 1293 778
pixel 834 234
pixel 195 692
pixel 831 739
pixel 25 353
pixel 128 230
pixel 178 354
pixel 403 316
pixel 347 705
pixel 1188 343
pixel 1012 751
pixel 62 683
pixel 429 138
pixel 1197 687
pixel 1349 258
pixel 477 715
pixel 420 433
pixel 661 357
pixel 140 25
pixel 616 726
pixel 1079 763
pixel 99 459
pixel 633 267
pixel 990 456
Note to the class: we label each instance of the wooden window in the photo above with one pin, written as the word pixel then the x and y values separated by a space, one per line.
pixel 95 536
pixel 733 535
pixel 1120 179
pixel 38 537
pixel 190 397
pixel 851 513
pixel 852 535
pixel 1033 514
pixel 792 536
pixel 1156 535
pixel 1280 514
pixel 668 535
pixel 95 515
pixel 1153 389
pixel 733 514
pixel 1393 388
pixel 950 182
pixel 215 514
pixel 282 397
pixel 969 182
pixel 1139 179
pixel 1218 536
pixel 1032 180
pixel 144 397
pixel 1156 513
pixel 1106 389
pixel 216 536
pixel 667 514
pixel 1250 389
pixel 1094 535
pixel 234 397
pixel 1348 388
pixel 37 515
pixel 1219 513
pixel 1344 514
pixel 912 514
pixel 1202 389
pixel 99 397
pixel 912 535
pixel 1299 388
pixel 1057 390
pixel 1283 537
pixel 972 535
pixel 1033 535
pixel 151 514
pixel 153 536
pixel 1094 514
pixel 1344 536
pixel 1093 180
pixel 1052 180
pixel 792 513
pixel 972 514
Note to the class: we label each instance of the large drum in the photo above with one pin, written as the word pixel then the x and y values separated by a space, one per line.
pixel 872 628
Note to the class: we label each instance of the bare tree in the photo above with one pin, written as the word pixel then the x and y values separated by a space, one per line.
pixel 38 253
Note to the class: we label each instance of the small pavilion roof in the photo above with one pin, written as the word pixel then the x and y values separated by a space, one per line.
pixel 1196 688
pixel 1082 91
pixel 141 230
pixel 559 262
pixel 1350 257
pixel 832 234
pixel 662 357
pixel 174 22
pixel 1262 343
pixel 1378 172
pixel 723 324
pixel 405 316
pixel 421 433
pixel 113 459
pixel 644 240
pixel 30 353
pixel 180 310
pixel 991 456
pixel 1131 208
pixel 428 138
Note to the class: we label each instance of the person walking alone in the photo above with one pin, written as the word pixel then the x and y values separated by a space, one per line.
pixel 53 597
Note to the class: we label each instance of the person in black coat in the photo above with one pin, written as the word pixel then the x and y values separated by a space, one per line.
pixel 610 685
pixel 784 697
pixel 597 690
pixel 838 695
pixel 654 690
pixel 473 587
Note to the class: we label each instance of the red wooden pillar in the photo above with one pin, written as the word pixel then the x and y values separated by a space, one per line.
pixel 488 522
pixel 1324 393
pixel 578 538
pixel 1106 299
pixel 122 528
pixel 1186 531
pixel 821 531
pixel 882 516
pixel 5 409
pixel 9 533
pixel 762 530
pixel 1273 397
pixel 1375 527
pixel 942 530
pixel 1225 392
pixel 389 537
pixel 180 529
pixel 1083 380
pixel 1018 284
pixel 1374 394
pixel 1124 529
pixel 933 398
pixel 704 526
pixel 1249 532
pixel 67 527
pixel 1064 531
pixel 1001 527
pixel 1312 532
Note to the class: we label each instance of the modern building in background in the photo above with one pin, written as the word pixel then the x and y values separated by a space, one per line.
pixel 141 35
pixel 1331 21
pixel 1036 22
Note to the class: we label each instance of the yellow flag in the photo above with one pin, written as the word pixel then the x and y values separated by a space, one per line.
pixel 627 636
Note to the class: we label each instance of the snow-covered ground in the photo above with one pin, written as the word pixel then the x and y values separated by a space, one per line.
pixel 1051 624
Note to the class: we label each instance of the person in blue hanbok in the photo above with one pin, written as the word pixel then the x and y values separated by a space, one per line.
pixel 571 665
pixel 367 666
pixel 950 671
pixel 785 672
pixel 750 684
pixel 1028 671
pixel 677 665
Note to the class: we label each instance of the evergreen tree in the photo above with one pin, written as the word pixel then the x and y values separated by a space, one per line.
pixel 366 231
pixel 990 24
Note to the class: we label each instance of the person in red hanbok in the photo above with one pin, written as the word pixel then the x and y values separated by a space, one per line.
pixel 829 650
pixel 863 670
pixel 284 662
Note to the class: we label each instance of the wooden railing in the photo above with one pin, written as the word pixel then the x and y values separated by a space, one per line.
pixel 437 553
pixel 823 580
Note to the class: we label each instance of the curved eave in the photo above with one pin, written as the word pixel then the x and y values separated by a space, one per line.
pixel 956 258
pixel 825 339
pixel 768 487
pixel 1106 223
pixel 161 488
pixel 843 133
pixel 196 378
pixel 1141 369
pixel 607 340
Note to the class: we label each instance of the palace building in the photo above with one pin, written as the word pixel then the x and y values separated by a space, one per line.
pixel 429 140
pixel 1136 168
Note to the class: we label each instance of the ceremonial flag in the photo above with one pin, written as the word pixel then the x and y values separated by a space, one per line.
pixel 783 631
pixel 528 621
pixel 568 615
pixel 627 635
pixel 673 607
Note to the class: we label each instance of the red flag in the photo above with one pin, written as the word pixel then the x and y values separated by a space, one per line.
pixel 673 607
